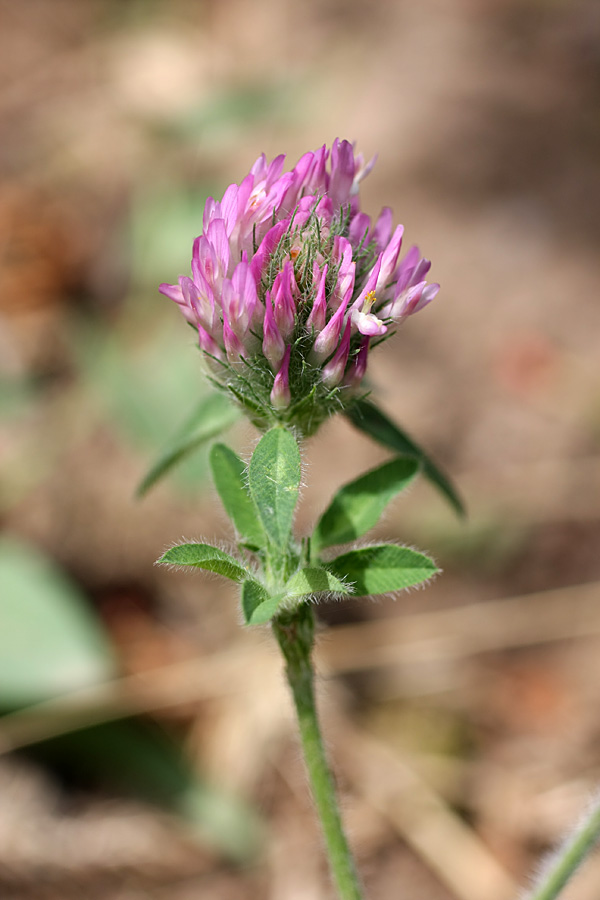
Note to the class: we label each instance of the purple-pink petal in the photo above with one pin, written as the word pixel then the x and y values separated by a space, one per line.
pixel 208 344
pixel 318 314
pixel 406 269
pixel 239 301
pixel 369 285
pixel 413 299
pixel 382 230
pixel 342 172
pixel 280 394
pixel 358 366
pixel 284 306
pixel 172 291
pixel 333 371
pixel 233 345
pixel 367 323
pixel 273 345
pixel 358 231
pixel 389 259
pixel 327 340
pixel 216 234
pixel 262 257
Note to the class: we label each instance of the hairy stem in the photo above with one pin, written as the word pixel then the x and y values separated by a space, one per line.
pixel 569 857
pixel 295 633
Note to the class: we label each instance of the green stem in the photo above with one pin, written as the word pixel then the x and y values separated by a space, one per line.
pixel 295 633
pixel 569 857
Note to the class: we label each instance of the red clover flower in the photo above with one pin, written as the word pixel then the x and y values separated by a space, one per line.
pixel 291 283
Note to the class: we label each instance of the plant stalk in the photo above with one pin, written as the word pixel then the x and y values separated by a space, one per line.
pixel 569 857
pixel 295 634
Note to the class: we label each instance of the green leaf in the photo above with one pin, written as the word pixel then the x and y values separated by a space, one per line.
pixel 358 505
pixel 274 481
pixel 365 416
pixel 314 580
pixel 205 556
pixel 51 641
pixel 382 569
pixel 214 414
pixel 229 474
pixel 257 604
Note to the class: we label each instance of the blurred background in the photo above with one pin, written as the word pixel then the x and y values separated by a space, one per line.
pixel 463 719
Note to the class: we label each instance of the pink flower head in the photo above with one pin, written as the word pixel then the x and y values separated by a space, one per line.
pixel 288 276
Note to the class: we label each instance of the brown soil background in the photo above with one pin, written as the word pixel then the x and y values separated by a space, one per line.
pixel 462 720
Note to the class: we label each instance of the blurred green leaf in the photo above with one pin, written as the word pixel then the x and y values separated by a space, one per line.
pixel 212 416
pixel 17 396
pixel 52 644
pixel 50 640
pixel 369 419
pixel 138 381
pixel 240 107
